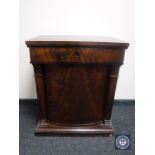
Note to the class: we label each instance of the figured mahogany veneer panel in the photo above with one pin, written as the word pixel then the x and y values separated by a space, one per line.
pixel 76 55
pixel 76 93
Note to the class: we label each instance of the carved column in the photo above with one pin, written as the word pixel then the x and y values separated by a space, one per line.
pixel 40 86
pixel 111 92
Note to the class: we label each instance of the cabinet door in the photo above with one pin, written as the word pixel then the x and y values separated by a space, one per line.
pixel 76 92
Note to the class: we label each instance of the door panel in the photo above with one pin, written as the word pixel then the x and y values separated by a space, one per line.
pixel 76 93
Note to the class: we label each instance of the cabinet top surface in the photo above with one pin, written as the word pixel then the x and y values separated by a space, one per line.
pixel 64 40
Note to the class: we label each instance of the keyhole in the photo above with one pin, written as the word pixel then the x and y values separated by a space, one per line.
pixel 77 54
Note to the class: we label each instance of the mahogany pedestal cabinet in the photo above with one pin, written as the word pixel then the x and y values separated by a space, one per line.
pixel 75 81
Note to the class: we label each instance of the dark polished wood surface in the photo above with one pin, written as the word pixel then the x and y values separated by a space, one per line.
pixel 88 41
pixel 72 95
pixel 76 80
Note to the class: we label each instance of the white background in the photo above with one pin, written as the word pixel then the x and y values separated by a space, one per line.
pixel 77 17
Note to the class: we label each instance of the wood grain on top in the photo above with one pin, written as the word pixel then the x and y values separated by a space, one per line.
pixel 87 41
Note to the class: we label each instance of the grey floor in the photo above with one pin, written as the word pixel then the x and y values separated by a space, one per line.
pixel 123 121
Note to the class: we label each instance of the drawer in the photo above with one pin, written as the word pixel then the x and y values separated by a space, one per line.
pixel 76 55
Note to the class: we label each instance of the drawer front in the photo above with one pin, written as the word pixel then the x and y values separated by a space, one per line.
pixel 76 55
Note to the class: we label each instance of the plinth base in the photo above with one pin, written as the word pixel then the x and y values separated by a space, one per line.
pixel 44 128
